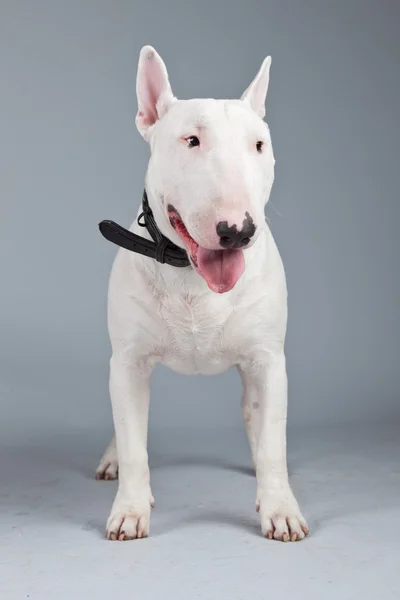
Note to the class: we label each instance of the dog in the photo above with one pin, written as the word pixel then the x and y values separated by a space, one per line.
pixel 208 180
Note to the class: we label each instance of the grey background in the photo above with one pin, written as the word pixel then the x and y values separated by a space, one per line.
pixel 70 156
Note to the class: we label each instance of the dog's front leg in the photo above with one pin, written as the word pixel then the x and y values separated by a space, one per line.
pixel 266 385
pixel 130 393
pixel 251 412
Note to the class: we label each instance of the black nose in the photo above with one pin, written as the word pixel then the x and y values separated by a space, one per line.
pixel 231 237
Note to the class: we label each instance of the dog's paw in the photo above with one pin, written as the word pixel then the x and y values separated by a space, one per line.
pixel 281 518
pixel 123 526
pixel 130 520
pixel 107 469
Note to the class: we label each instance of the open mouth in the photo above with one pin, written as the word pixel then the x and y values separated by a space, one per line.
pixel 220 268
pixel 191 246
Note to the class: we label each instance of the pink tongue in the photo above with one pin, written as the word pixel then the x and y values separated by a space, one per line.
pixel 220 268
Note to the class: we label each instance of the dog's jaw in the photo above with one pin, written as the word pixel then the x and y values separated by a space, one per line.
pixel 221 269
pixel 191 245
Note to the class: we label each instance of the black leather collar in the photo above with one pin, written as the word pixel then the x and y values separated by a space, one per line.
pixel 161 249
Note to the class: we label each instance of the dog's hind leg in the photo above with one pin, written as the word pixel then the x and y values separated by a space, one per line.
pixel 108 467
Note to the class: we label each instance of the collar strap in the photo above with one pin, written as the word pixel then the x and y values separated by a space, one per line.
pixel 161 248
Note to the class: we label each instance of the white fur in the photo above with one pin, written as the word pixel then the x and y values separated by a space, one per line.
pixel 162 314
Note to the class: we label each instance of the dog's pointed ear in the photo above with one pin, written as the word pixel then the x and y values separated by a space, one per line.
pixel 257 91
pixel 153 90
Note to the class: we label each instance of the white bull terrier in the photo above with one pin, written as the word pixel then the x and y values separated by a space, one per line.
pixel 224 305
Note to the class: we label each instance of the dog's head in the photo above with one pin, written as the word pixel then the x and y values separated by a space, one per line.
pixel 211 169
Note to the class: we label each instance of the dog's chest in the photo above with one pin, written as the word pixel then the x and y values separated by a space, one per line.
pixel 196 335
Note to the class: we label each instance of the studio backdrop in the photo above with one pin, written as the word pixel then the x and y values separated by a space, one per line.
pixel 70 156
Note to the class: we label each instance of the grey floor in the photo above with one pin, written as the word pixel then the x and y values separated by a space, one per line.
pixel 205 540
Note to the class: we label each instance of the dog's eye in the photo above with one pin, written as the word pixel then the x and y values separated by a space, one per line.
pixel 193 141
pixel 259 147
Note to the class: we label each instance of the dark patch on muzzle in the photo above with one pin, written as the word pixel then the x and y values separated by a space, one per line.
pixel 231 237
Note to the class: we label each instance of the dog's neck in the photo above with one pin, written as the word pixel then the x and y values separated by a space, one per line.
pixel 155 245
pixel 166 250
pixel 155 201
